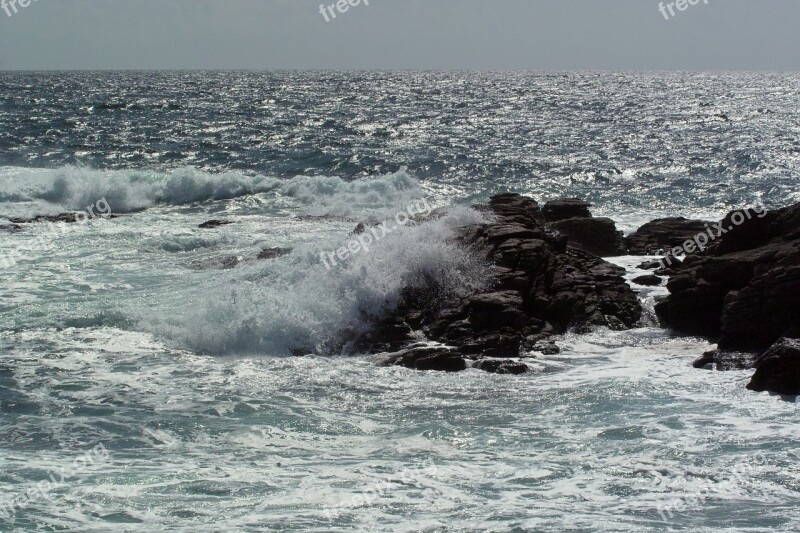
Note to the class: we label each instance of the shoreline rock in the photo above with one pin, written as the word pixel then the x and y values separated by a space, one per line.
pixel 542 287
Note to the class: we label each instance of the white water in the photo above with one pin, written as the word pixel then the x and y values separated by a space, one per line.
pixel 110 336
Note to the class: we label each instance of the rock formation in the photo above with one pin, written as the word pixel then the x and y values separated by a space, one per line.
pixel 542 286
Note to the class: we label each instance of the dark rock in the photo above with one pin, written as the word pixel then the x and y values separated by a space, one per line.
pixel 742 290
pixel 598 236
pixel 541 288
pixel 428 358
pixel 650 280
pixel 502 366
pixel 225 262
pixel 496 310
pixel 272 253
pixel 11 228
pixel 564 208
pixel 66 218
pixel 360 228
pixel 650 265
pixel 723 360
pixel 211 224
pixel 546 348
pixel 778 369
pixel 494 345
pixel 664 234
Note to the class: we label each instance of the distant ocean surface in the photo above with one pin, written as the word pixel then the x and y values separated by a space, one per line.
pixel 172 346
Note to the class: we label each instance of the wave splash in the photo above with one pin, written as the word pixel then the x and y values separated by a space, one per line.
pixel 295 305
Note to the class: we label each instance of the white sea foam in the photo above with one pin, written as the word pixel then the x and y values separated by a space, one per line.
pixel 295 304
pixel 74 188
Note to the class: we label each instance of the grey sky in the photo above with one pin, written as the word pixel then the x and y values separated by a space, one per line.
pixel 400 34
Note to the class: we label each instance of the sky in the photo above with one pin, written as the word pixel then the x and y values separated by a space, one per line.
pixel 401 34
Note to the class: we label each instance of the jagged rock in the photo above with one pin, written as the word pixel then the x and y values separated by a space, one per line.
pixel 778 369
pixel 742 290
pixel 664 234
pixel 598 236
pixel 650 280
pixel 11 228
pixel 541 288
pixel 211 224
pixel 564 208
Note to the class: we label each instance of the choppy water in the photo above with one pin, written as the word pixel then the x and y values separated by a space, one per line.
pixel 125 333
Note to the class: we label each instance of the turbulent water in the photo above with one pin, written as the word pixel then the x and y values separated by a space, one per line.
pixel 147 376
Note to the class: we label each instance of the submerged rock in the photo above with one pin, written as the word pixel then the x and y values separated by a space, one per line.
pixel 225 262
pixel 778 369
pixel 272 253
pixel 66 218
pixel 215 223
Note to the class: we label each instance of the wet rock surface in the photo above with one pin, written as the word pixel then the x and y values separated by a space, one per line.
pixel 742 290
pixel 273 253
pixel 664 234
pixel 66 218
pixel 214 223
pixel 571 217
pixel 542 286
pixel 649 280
pixel 778 369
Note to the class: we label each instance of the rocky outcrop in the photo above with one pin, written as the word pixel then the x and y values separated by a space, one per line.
pixel 571 217
pixel 542 286
pixel 742 289
pixel 663 234
pixel 778 369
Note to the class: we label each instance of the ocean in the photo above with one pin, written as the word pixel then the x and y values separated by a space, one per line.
pixel 155 375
